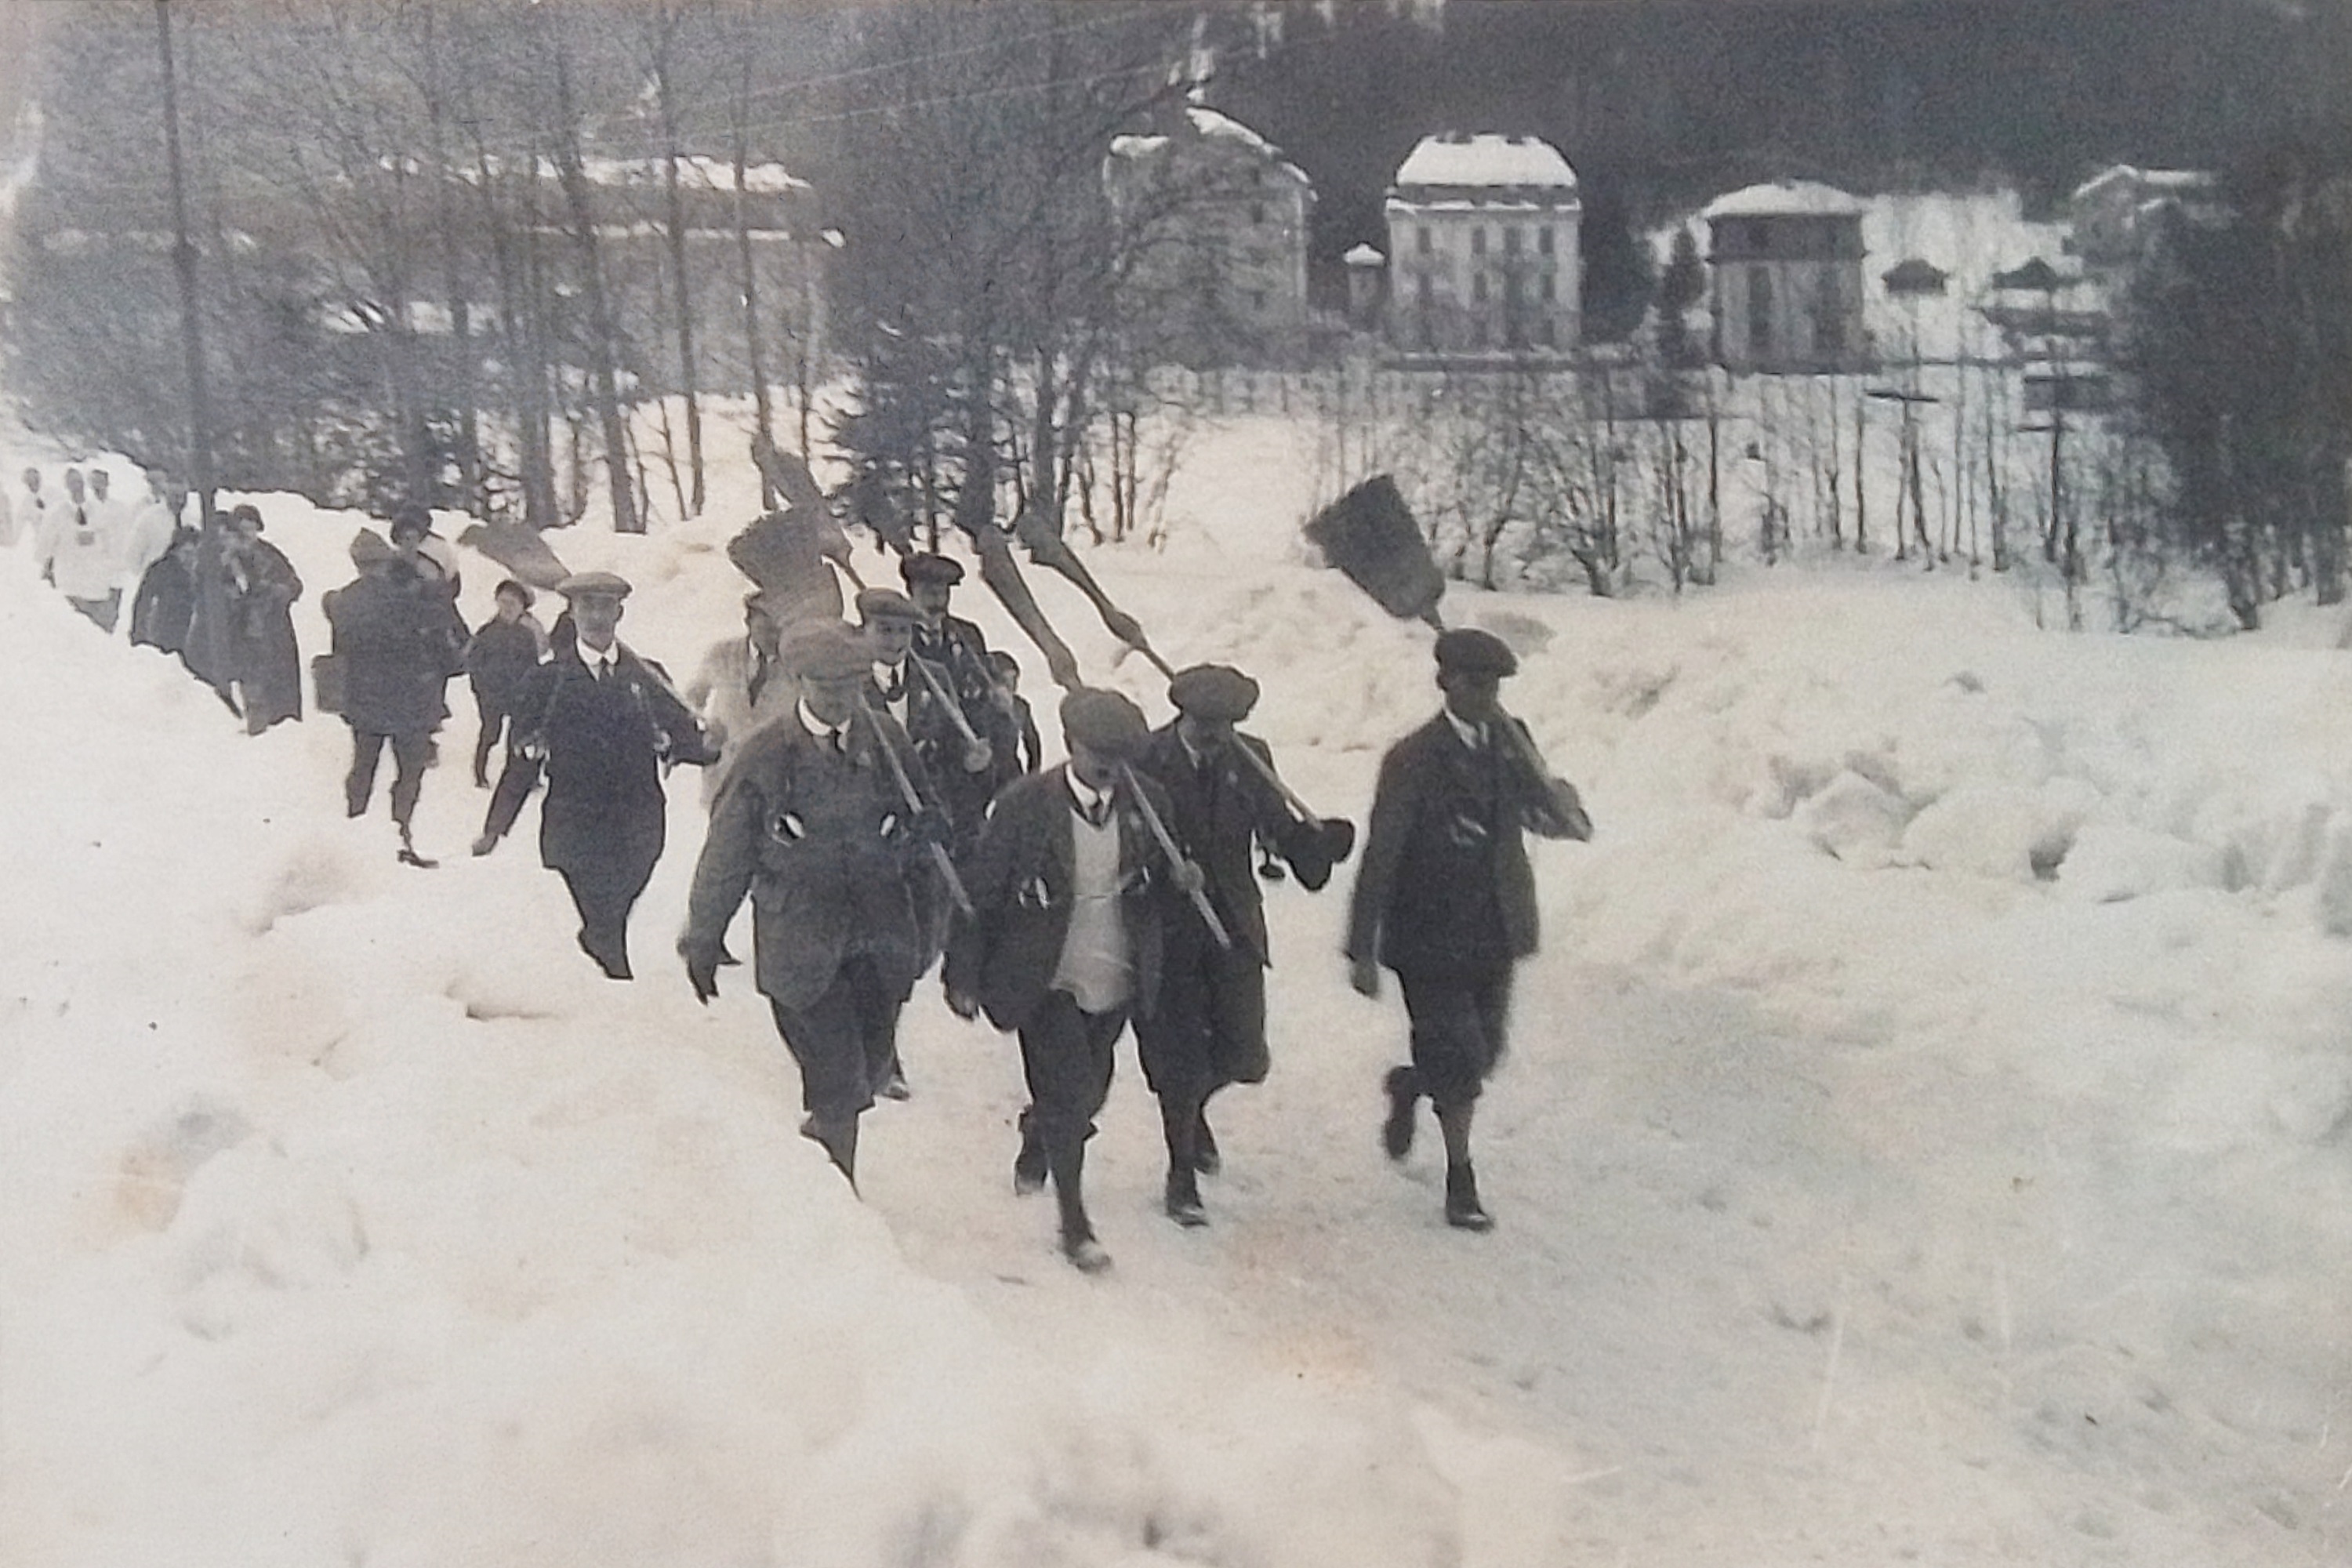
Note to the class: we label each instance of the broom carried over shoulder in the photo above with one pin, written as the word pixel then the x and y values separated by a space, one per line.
pixel 1369 535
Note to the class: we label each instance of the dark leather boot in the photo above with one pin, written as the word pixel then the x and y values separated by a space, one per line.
pixel 1404 1094
pixel 1029 1165
pixel 1078 1244
pixel 1183 1199
pixel 1462 1210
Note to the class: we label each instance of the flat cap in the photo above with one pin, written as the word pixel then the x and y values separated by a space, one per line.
pixel 1213 691
pixel 886 602
pixel 612 584
pixel 1473 652
pixel 1104 722
pixel 824 650
pixel 369 549
pixel 927 568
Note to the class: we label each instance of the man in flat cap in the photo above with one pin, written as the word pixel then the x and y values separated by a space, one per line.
pixel 959 648
pixel 960 740
pixel 811 821
pixel 602 723
pixel 1209 1029
pixel 1445 898
pixel 1069 888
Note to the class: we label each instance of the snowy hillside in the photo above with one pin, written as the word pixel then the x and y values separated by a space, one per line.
pixel 1925 1137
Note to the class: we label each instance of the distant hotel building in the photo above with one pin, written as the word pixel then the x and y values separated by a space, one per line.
pixel 1483 248
pixel 1786 262
pixel 1224 272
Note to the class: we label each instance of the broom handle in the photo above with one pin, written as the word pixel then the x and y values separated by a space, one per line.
pixel 914 800
pixel 1289 797
pixel 955 709
pixel 1175 857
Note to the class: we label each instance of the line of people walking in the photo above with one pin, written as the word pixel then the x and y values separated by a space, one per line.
pixel 875 792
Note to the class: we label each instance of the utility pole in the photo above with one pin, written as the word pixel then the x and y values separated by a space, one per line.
pixel 183 259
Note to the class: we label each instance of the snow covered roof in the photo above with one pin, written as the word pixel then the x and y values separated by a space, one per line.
pixel 1785 198
pixel 695 170
pixel 2177 182
pixel 1210 125
pixel 1454 160
pixel 1364 256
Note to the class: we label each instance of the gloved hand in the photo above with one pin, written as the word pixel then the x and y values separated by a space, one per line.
pixel 1314 848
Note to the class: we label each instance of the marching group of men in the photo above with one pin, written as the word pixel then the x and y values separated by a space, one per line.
pixel 876 790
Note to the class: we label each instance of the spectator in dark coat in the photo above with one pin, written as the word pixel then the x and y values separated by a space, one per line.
pixel 166 602
pixel 812 822
pixel 399 639
pixel 1029 756
pixel 1063 944
pixel 1209 1029
pixel 602 722
pixel 260 589
pixel 956 649
pixel 1445 898
pixel 500 659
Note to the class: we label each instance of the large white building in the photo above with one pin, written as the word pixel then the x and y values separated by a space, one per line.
pixel 1220 216
pixel 1786 264
pixel 1483 248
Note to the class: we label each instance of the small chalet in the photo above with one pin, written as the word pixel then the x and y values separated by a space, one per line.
pixel 1786 263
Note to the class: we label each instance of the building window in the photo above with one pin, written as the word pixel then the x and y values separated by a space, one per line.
pixel 1420 239
pixel 1478 240
pixel 1544 332
pixel 1257 300
pixel 1424 285
pixel 1257 212
pixel 1478 287
pixel 1511 239
pixel 1759 312
pixel 1543 240
pixel 1550 285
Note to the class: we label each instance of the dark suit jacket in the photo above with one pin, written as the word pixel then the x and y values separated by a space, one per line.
pixel 1444 887
pixel 602 742
pixel 816 835
pixel 1019 876
pixel 1219 812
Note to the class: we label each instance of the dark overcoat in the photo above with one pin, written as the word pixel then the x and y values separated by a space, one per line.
pixel 1020 878
pixel 601 746
pixel 1220 810
pixel 818 838
pixel 260 649
pixel 400 640
pixel 1444 888
pixel 166 604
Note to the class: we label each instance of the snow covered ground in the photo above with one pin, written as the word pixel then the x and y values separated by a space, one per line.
pixel 1924 1140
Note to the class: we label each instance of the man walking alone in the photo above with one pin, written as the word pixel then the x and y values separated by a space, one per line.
pixel 1446 900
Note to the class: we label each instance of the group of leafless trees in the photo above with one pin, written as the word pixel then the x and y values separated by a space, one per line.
pixel 499 257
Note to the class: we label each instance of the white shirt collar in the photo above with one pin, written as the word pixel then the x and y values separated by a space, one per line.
pixel 1473 735
pixel 1087 797
pixel 819 728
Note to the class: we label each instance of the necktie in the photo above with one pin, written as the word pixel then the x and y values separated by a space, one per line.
pixel 1098 811
pixel 896 686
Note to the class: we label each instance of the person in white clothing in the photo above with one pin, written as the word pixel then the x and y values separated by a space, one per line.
pixel 84 557
pixel 32 512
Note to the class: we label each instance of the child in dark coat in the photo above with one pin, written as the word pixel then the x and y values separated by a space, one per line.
pixel 499 658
